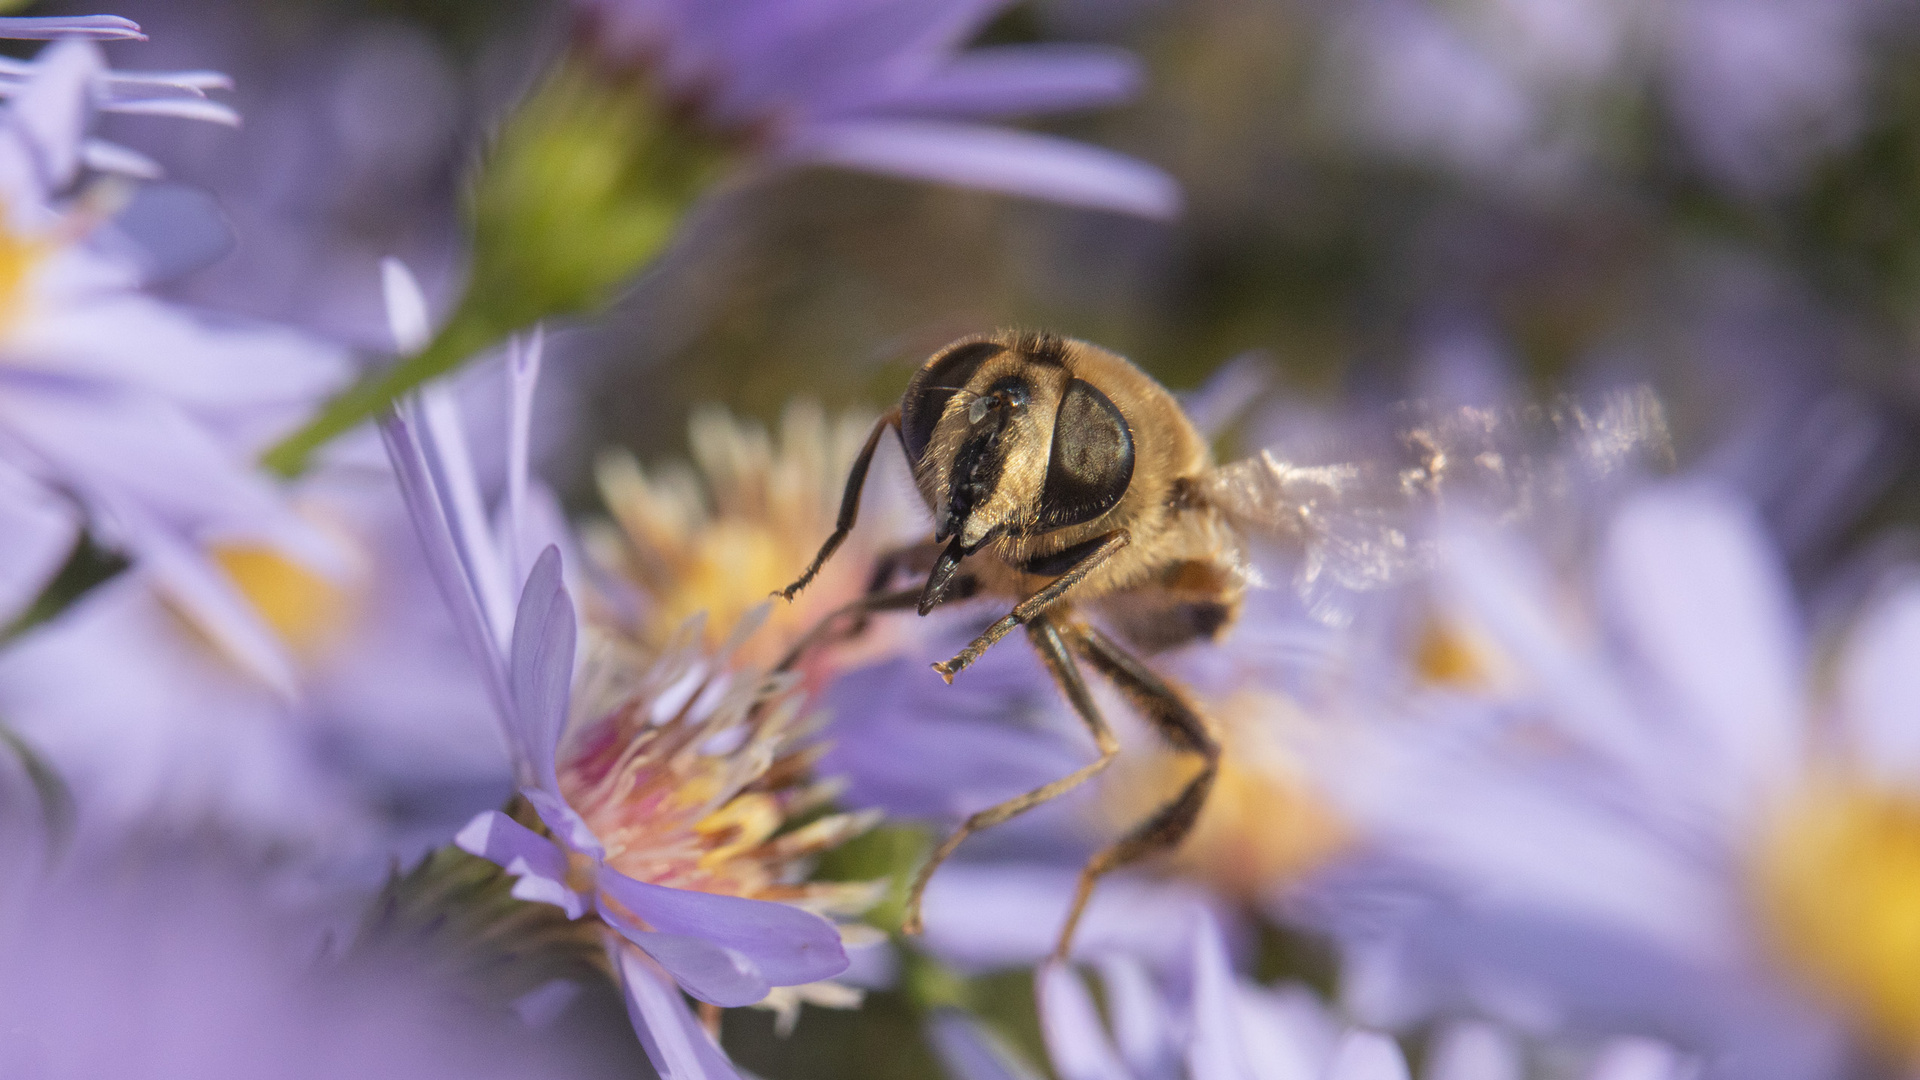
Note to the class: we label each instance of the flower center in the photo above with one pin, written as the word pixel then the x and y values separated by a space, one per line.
pixel 729 570
pixel 305 609
pixel 19 255
pixel 1838 877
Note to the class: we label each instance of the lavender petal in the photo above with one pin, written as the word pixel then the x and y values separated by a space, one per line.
pixel 1014 162
pixel 786 945
pixel 675 1042
pixel 535 860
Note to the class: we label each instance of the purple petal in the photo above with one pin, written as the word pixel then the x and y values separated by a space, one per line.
pixel 1880 689
pixel 540 676
pixel 407 317
pixel 523 373
pixel 37 530
pixel 1706 600
pixel 709 972
pixel 1019 80
pixel 1141 1024
pixel 1218 1047
pixel 1368 1055
pixel 678 1046
pixel 400 430
pixel 786 945
pixel 55 105
pixel 45 28
pixel 1015 162
pixel 971 1052
pixel 539 864
pixel 1474 1050
pixel 1071 1026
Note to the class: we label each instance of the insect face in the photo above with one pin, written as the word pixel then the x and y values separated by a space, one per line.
pixel 1007 442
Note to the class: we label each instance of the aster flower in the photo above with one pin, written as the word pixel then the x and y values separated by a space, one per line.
pixel 384 746
pixel 664 103
pixel 171 969
pixel 1662 823
pixel 122 414
pixel 721 536
pixel 886 86
pixel 660 782
pixel 1199 1020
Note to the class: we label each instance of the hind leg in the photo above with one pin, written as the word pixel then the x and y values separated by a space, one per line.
pixel 1048 641
pixel 1182 728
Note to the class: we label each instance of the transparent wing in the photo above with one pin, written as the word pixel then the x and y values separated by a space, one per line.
pixel 1365 524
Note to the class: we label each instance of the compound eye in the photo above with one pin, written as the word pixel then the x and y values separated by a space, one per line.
pixel 932 386
pixel 1092 459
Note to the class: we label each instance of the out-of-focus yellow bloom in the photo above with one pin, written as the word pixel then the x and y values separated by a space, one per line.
pixel 742 521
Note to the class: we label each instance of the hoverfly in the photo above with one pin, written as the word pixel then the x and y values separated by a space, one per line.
pixel 1066 481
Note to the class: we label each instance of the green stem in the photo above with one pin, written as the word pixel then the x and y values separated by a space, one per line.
pixel 466 334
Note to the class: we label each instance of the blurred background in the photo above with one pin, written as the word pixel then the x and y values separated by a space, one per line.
pixel 1715 194
pixel 1383 199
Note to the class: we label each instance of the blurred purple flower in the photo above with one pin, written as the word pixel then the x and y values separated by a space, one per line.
pixel 176 972
pixel 1199 1020
pixel 886 86
pixel 118 413
pixel 383 748
pixel 1656 823
pixel 649 825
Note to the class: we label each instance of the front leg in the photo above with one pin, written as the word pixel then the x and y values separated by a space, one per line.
pixel 849 502
pixel 1036 605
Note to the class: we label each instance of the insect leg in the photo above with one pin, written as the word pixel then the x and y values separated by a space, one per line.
pixel 1182 728
pixel 1033 606
pixel 1053 651
pixel 858 610
pixel 849 502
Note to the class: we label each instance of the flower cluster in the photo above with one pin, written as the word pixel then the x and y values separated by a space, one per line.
pixel 381 696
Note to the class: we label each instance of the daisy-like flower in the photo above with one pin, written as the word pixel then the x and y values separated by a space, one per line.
pixel 174 970
pixel 1672 817
pixel 1199 1019
pixel 662 781
pixel 120 414
pixel 886 86
pixel 721 536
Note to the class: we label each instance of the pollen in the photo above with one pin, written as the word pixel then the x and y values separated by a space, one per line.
pixel 305 609
pixel 1838 883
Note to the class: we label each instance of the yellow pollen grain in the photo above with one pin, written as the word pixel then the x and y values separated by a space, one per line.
pixel 1838 883
pixel 305 609
pixel 740 826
